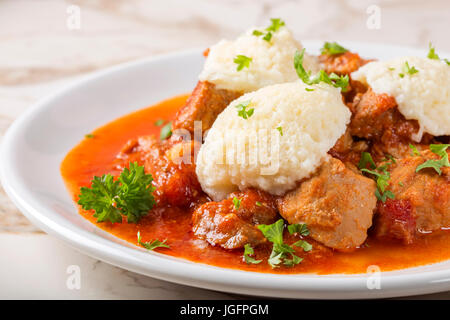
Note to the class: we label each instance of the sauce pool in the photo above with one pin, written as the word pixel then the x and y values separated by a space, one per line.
pixel 96 156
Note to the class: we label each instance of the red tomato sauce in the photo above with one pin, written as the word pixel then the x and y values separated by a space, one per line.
pixel 96 156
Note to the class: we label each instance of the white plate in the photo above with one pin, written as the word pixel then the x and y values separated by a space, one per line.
pixel 35 145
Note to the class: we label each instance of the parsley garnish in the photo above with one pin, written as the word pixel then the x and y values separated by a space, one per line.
pixel 414 151
pixel 130 195
pixel 276 24
pixel 407 69
pixel 248 251
pixel 259 204
pixel 242 62
pixel 151 245
pixel 280 250
pixel 89 136
pixel 440 150
pixel 332 48
pixel 280 130
pixel 381 174
pixel 434 56
pixel 332 79
pixel 236 202
pixel 242 110
pixel 306 246
pixel 300 228
pixel 159 122
pixel 432 53
pixel 166 131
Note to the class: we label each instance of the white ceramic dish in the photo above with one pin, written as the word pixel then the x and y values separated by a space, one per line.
pixel 35 145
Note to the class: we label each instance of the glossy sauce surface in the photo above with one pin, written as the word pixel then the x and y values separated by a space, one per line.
pixel 96 156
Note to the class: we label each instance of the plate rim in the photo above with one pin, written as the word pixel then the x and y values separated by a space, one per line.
pixel 198 274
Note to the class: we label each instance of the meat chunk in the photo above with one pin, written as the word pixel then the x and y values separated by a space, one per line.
pixel 422 200
pixel 204 104
pixel 376 118
pixel 336 203
pixel 222 224
pixel 171 163
pixel 342 64
pixel 347 149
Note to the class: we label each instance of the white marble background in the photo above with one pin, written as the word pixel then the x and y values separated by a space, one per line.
pixel 39 54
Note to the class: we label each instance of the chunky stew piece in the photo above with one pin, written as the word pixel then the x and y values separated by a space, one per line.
pixel 231 223
pixel 342 64
pixel 171 163
pixel 204 104
pixel 421 204
pixel 336 203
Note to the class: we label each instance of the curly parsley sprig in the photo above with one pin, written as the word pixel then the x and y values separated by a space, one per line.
pixel 381 173
pixel 332 79
pixel 153 244
pixel 440 150
pixel 130 195
pixel 280 250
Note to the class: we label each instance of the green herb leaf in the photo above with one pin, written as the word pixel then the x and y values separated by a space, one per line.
pixel 259 204
pixel 305 245
pixel 89 136
pixel 242 62
pixel 414 151
pixel 332 79
pixel 280 250
pixel 166 131
pixel 159 122
pixel 248 251
pixel 408 70
pixel 280 130
pixel 151 245
pixel 276 24
pixel 332 48
pixel 300 228
pixel 242 110
pixel 268 36
pixel 366 158
pixel 440 150
pixel 130 195
pixel 432 53
pixel 257 33
pixel 237 203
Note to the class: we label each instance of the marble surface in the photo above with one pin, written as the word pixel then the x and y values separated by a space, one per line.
pixel 41 50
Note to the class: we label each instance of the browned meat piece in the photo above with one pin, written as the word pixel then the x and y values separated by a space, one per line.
pixel 347 149
pixel 376 117
pixel 204 104
pixel 220 223
pixel 172 166
pixel 342 64
pixel 422 200
pixel 336 203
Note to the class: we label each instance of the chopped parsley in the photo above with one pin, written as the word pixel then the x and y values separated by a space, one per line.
pixel 432 52
pixel 434 56
pixel 248 251
pixel 276 24
pixel 280 130
pixel 414 151
pixel 151 245
pixel 332 79
pixel 440 150
pixel 333 48
pixel 300 228
pixel 242 62
pixel 281 252
pixel 305 245
pixel 236 203
pixel 381 174
pixel 130 195
pixel 159 122
pixel 407 70
pixel 89 136
pixel 401 184
pixel 259 204
pixel 242 110
pixel 166 131
pixel 309 89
